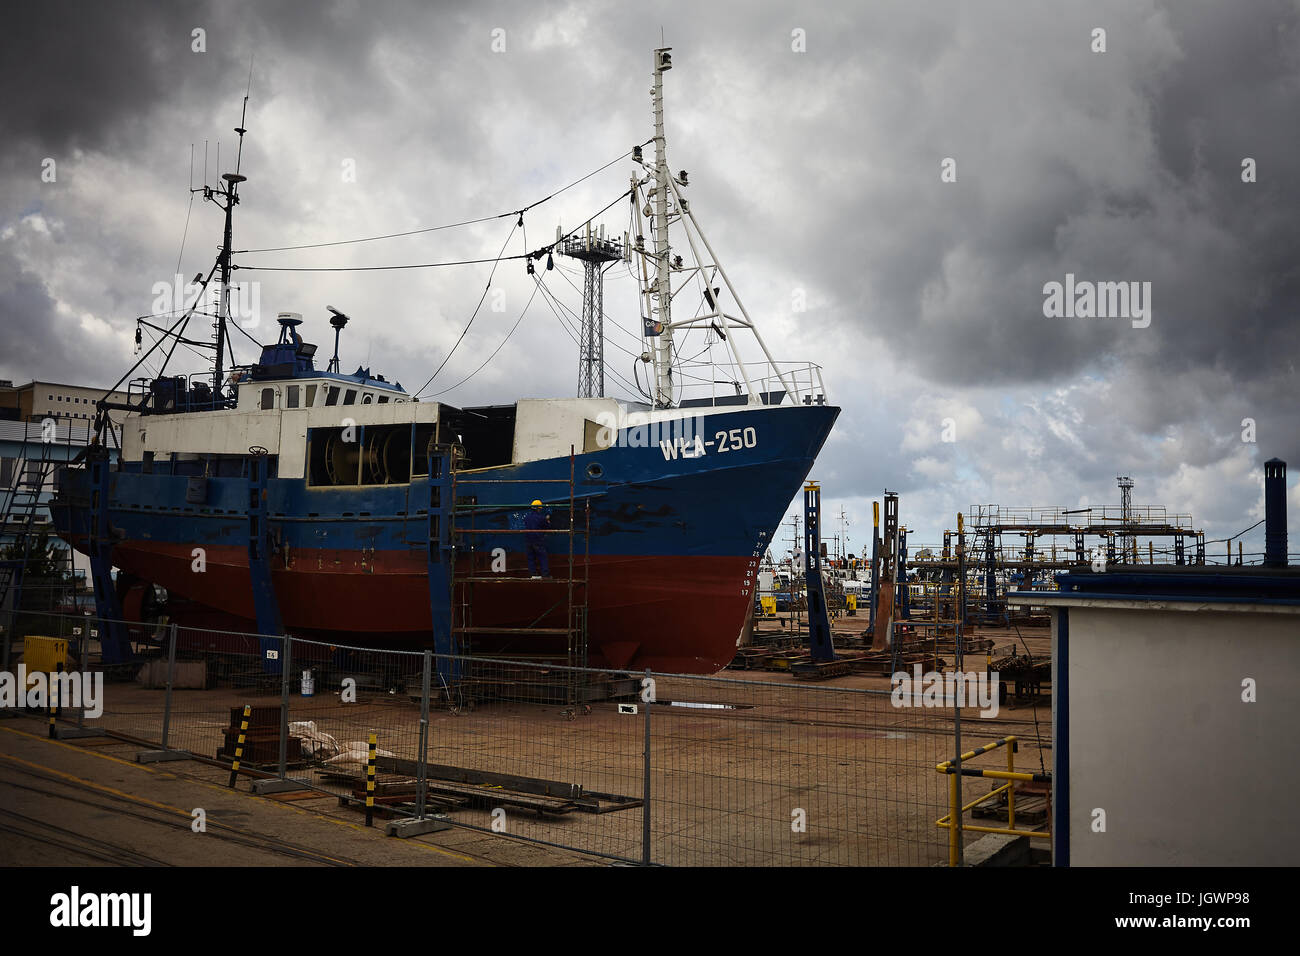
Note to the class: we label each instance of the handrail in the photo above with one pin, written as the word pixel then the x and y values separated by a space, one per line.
pixel 1011 775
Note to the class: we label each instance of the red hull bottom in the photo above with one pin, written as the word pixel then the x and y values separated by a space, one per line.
pixel 673 614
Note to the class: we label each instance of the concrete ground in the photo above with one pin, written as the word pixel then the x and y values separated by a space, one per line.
pixel 87 802
pixel 753 769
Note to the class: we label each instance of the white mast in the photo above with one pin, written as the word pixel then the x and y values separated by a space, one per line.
pixel 661 307
pixel 669 205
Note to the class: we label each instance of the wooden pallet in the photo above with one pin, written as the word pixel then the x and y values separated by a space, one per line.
pixel 1031 808
pixel 750 659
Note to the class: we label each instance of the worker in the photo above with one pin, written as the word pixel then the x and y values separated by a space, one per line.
pixel 535 523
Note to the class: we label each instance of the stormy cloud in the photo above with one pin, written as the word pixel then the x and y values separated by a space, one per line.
pixel 817 140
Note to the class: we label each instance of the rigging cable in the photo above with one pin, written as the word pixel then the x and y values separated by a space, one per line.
pixel 474 314
pixel 494 351
pixel 536 254
pixel 549 298
pixel 450 225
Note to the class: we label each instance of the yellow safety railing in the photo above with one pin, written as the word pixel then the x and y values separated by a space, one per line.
pixel 1010 775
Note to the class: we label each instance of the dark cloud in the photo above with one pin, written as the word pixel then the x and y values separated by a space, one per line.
pixel 814 172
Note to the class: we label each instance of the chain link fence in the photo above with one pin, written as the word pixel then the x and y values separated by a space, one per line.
pixel 631 766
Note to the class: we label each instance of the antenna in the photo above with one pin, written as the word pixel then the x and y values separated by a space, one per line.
pixel 338 320
pixel 244 115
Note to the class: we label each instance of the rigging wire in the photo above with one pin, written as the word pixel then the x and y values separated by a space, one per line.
pixel 549 298
pixel 486 288
pixel 501 257
pixel 578 320
pixel 450 225
pixel 605 315
pixel 1238 534
pixel 185 233
pixel 536 254
pixel 415 265
pixel 494 351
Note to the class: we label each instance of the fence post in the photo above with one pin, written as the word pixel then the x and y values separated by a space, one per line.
pixel 423 822
pixel 957 851
pixel 171 676
pixel 286 665
pixel 165 752
pixel 645 775
pixel 422 762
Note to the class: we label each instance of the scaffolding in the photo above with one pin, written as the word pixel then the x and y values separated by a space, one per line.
pixel 479 577
pixel 25 525
pixel 1021 548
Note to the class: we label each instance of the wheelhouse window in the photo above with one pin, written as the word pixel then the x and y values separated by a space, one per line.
pixel 268 398
pixel 383 400
pixel 350 397
pixel 311 396
pixel 366 398
pixel 332 395
pixel 291 396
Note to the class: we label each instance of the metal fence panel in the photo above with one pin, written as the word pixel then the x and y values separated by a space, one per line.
pixel 660 768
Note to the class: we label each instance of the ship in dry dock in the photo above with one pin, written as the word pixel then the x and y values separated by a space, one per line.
pixel 339 506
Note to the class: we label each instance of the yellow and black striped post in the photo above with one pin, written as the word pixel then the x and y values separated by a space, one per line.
pixel 370 782
pixel 53 701
pixel 239 745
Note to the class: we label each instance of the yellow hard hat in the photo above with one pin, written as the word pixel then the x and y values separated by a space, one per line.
pixel 537 502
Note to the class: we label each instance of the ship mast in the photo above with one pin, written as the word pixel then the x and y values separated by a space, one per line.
pixel 662 349
pixel 226 199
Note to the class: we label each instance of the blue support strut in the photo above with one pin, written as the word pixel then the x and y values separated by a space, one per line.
pixel 265 604
pixel 440 557
pixel 819 625
pixel 114 640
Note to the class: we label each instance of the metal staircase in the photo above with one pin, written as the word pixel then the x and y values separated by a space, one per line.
pixel 24 520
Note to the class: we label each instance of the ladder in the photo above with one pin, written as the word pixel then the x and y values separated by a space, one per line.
pixel 475 573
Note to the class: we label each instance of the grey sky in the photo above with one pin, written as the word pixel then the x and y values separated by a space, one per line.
pixel 815 173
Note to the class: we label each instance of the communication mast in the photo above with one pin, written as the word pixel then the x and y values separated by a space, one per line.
pixel 1126 516
pixel 594 250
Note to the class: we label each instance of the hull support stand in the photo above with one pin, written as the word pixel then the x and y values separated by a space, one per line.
pixel 114 641
pixel 440 558
pixel 265 605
